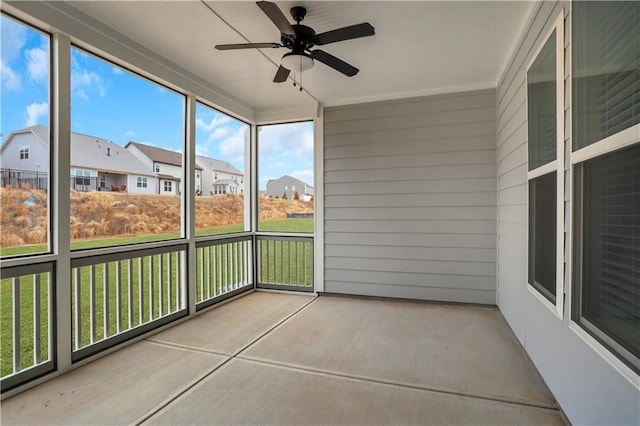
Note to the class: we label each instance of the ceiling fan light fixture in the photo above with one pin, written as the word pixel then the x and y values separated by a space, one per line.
pixel 297 61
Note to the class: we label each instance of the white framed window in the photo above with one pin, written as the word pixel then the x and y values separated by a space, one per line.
pixel 24 152
pixel 168 186
pixel 157 168
pixel 141 182
pixel 83 177
pixel 545 130
pixel 605 162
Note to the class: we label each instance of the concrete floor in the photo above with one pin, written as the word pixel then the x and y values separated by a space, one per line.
pixel 271 358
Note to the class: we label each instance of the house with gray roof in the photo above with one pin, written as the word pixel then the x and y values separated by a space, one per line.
pixel 96 163
pixel 166 164
pixel 289 185
pixel 220 177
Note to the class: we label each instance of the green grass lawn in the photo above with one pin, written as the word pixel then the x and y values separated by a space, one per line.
pixel 209 284
pixel 286 225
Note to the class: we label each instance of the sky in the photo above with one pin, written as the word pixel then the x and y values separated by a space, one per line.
pixel 112 103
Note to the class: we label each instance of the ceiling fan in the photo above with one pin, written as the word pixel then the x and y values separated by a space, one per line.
pixel 300 39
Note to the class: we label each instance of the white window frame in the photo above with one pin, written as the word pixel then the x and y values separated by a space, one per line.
pixel 141 182
pixel 156 167
pixel 24 152
pixel 623 139
pixel 620 140
pixel 167 184
pixel 556 165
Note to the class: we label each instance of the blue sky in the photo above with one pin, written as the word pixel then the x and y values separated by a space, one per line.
pixel 111 103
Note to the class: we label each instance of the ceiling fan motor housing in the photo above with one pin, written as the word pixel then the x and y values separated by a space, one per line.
pixel 298 13
pixel 303 40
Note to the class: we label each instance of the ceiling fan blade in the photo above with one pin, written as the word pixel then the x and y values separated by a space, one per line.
pixel 281 75
pixel 335 63
pixel 274 13
pixel 346 33
pixel 247 46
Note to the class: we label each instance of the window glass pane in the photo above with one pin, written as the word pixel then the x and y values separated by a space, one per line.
pixel 606 69
pixel 611 245
pixel 542 105
pixel 285 177
pixel 221 142
pixel 542 234
pixel 24 131
pixel 122 126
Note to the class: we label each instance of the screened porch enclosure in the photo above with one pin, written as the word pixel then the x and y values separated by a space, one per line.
pixel 454 241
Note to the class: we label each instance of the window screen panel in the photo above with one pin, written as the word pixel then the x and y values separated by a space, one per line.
pixel 611 246
pixel 542 106
pixel 542 234
pixel 606 69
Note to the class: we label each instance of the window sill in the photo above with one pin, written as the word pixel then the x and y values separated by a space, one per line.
pixel 545 302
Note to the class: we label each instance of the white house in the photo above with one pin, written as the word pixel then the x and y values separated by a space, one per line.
pixel 289 185
pixel 166 164
pixel 96 163
pixel 219 177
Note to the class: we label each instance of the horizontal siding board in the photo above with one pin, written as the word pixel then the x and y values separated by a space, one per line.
pixel 419 226
pixel 424 186
pixel 407 107
pixel 483 269
pixel 410 198
pixel 412 253
pixel 515 214
pixel 458 130
pixel 415 292
pixel 411 213
pixel 424 146
pixel 462 199
pixel 413 240
pixel 486 156
pixel 410 279
pixel 515 122
pixel 515 159
pixel 413 120
pixel 416 173
pixel 515 177
pixel 512 143
pixel 514 195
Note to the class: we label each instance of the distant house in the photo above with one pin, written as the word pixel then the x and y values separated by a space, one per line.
pixel 220 177
pixel 289 185
pixel 96 163
pixel 166 164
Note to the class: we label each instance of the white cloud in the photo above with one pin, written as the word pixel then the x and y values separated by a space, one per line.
pixel 304 175
pixel 81 94
pixel 130 133
pixel 220 132
pixel 14 37
pixel 9 78
pixel 116 70
pixel 37 64
pixel 35 111
pixel 217 120
pixel 293 139
pixel 83 80
pixel 232 147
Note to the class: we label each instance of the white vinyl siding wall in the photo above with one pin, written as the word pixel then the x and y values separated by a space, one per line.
pixel 410 198
pixel 603 395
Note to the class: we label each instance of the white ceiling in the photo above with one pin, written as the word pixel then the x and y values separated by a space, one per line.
pixel 420 47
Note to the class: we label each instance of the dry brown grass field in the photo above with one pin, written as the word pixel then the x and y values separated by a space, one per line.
pixel 23 214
